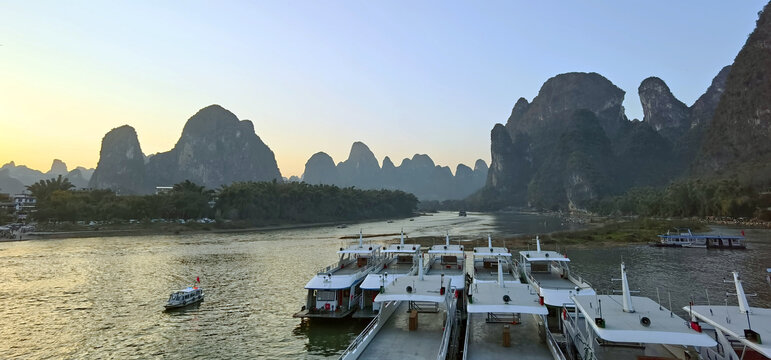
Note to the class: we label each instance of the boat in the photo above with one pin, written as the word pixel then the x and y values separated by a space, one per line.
pixel 185 297
pixel 627 327
pixel 683 237
pixel 417 320
pixel 462 213
pixel 333 292
pixel 448 260
pixel 398 260
pixel 548 272
pixel 505 319
pixel 488 259
pixel 740 330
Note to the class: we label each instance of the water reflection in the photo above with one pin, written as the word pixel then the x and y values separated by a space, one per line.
pixel 104 297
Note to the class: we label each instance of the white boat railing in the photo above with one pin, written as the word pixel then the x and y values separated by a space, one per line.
pixel 448 325
pixel 554 347
pixel 359 340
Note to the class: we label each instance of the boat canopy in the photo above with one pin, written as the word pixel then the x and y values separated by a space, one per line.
pixel 491 251
pixel 543 256
pixel 446 249
pixel 623 326
pixel 416 288
pixel 355 249
pixel 401 248
pixel 489 298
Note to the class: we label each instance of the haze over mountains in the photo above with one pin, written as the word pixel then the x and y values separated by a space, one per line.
pixel 419 175
pixel 14 178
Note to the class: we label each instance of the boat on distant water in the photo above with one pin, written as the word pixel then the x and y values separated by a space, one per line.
pixel 185 297
pixel 601 327
pixel 333 292
pixel 398 260
pixel 462 213
pixel 683 237
pixel 740 330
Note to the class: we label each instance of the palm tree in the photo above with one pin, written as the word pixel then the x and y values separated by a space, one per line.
pixel 43 189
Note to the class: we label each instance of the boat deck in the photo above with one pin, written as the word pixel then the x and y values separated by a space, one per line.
pixel 323 315
pixel 437 268
pixel 396 341
pixel 552 281
pixel 349 268
pixel 486 339
pixel 491 273
pixel 395 267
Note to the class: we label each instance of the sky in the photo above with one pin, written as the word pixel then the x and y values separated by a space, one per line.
pixel 404 77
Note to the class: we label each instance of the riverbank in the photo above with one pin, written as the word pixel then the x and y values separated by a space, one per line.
pixel 599 233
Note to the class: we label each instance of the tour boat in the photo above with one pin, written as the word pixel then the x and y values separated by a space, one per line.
pixel 739 330
pixel 448 260
pixel 416 321
pixel 506 320
pixel 486 261
pixel 333 292
pixel 627 327
pixel 549 274
pixel 398 260
pixel 184 297
pixel 683 237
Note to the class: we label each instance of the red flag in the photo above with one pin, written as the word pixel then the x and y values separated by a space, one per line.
pixel 197 279
pixel 742 232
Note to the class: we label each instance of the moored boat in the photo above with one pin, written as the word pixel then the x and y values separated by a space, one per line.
pixel 683 237
pixel 448 260
pixel 627 327
pixel 416 321
pixel 506 320
pixel 398 260
pixel 740 330
pixel 333 292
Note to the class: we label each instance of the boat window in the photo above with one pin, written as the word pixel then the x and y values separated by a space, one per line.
pixel 325 295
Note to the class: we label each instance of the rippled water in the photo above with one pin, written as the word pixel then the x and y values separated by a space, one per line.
pixel 103 297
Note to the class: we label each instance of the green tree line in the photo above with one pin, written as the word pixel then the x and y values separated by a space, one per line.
pixel 687 198
pixel 254 203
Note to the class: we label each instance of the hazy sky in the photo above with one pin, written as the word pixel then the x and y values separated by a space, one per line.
pixel 404 77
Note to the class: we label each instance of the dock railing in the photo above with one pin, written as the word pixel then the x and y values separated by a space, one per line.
pixel 365 334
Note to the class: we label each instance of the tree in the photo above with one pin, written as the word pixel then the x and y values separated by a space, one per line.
pixel 43 189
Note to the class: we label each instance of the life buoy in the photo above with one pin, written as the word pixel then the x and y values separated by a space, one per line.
pixel 564 314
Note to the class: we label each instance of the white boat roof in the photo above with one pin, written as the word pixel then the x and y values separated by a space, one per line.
pixel 623 326
pixel 356 249
pixel 543 256
pixel 488 298
pixel 446 249
pixel 422 290
pixel 760 320
pixel 187 290
pixel 491 251
pixel 334 282
pixel 399 248
pixel 373 281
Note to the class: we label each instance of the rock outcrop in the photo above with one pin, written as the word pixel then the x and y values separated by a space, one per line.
pixel 58 167
pixel 418 175
pixel 121 164
pixel 215 149
pixel 573 144
pixel 737 142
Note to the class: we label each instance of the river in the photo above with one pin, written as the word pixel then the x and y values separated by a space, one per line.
pixel 103 297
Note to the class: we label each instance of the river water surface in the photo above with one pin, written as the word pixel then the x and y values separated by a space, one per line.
pixel 103 297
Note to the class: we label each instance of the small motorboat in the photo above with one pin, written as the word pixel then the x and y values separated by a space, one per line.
pixel 185 297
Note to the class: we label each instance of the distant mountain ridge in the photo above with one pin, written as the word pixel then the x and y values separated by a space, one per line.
pixel 214 149
pixel 419 175
pixel 14 178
